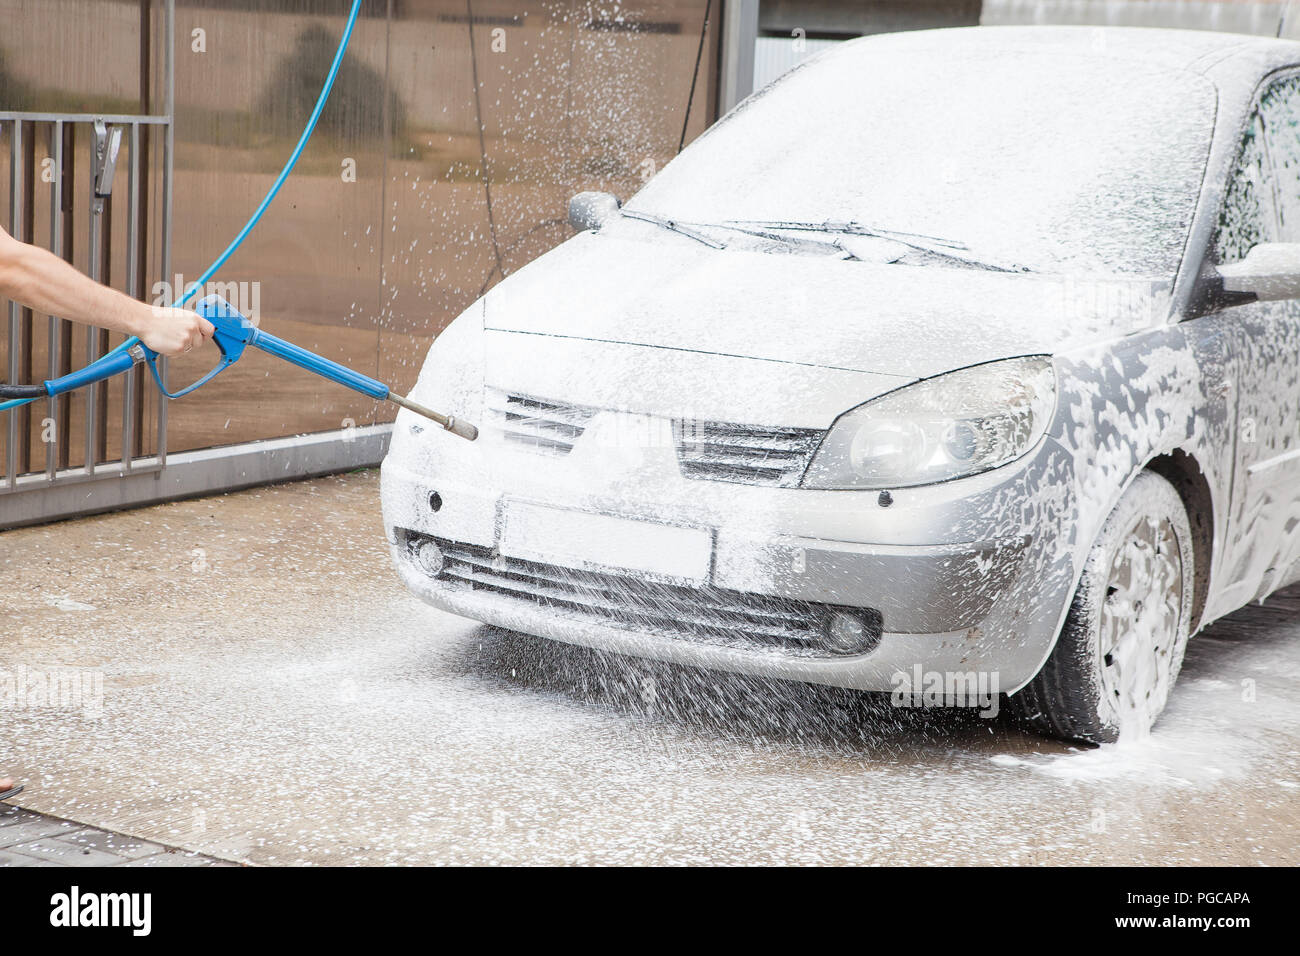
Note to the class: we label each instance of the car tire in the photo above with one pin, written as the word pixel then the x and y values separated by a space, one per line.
pixel 1121 648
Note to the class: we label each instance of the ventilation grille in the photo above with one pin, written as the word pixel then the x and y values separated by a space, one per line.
pixel 706 613
pixel 745 454
pixel 548 428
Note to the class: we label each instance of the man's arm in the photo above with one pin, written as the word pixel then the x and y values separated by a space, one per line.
pixel 42 281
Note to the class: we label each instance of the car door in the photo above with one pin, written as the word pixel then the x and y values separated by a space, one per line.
pixel 1280 475
pixel 1262 204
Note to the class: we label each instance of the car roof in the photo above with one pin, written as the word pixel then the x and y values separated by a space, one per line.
pixel 1225 58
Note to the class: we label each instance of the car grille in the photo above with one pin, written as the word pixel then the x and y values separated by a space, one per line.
pixel 705 613
pixel 546 427
pixel 747 454
pixel 709 451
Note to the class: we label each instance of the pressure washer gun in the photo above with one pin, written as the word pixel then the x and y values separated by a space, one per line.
pixel 233 334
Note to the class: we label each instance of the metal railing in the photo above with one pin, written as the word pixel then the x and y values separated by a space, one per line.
pixel 99 139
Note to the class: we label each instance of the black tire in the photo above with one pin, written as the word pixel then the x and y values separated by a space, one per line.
pixel 1085 694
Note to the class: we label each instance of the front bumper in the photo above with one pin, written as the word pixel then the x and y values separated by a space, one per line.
pixel 968 576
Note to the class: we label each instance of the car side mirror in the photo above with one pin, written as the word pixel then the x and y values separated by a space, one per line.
pixel 591 210
pixel 1271 271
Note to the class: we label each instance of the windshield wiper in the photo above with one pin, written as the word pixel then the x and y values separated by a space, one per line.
pixel 693 230
pixel 674 226
pixel 934 245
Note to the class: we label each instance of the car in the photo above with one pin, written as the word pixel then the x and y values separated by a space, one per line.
pixel 952 357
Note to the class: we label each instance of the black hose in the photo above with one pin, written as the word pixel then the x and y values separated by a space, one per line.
pixel 695 75
pixel 482 142
pixel 22 391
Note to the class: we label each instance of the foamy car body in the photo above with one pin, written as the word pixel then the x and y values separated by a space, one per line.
pixel 718 433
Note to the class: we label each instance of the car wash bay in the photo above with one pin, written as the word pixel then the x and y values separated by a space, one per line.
pixel 254 682
pixel 272 694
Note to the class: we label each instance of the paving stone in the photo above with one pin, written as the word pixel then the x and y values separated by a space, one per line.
pixel 11 814
pixel 8 858
pixel 35 827
pixel 117 844
pixel 59 849
pixel 176 858
pixel 31 839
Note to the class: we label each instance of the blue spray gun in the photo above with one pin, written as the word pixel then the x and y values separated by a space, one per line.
pixel 233 334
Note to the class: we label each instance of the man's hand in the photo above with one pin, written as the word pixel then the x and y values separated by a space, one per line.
pixel 41 280
pixel 172 331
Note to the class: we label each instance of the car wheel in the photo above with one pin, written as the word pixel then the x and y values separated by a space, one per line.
pixel 1122 645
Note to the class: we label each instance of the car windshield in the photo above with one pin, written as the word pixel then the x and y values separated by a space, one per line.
pixel 1059 163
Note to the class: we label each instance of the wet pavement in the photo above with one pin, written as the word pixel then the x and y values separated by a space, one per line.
pixel 245 677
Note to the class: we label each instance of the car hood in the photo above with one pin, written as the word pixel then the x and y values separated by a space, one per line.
pixel 897 320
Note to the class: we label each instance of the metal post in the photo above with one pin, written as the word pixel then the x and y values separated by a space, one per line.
pixel 739 38
pixel 141 289
pixel 105 146
pixel 97 146
pixel 67 229
pixel 169 143
pixel 132 278
pixel 15 228
pixel 55 323
pixel 26 320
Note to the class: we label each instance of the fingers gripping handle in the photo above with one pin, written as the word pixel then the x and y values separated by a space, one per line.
pixel 232 333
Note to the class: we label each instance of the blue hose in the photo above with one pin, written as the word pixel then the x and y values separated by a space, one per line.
pixel 266 202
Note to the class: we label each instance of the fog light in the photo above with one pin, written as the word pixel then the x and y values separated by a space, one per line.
pixel 429 557
pixel 852 632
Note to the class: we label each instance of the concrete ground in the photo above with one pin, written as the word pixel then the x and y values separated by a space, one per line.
pixel 243 676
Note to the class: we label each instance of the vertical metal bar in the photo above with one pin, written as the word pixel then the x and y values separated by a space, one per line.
pixel 739 38
pixel 143 196
pixel 68 218
pixel 15 228
pixel 132 277
pixel 381 283
pixel 101 335
pixel 25 316
pixel 169 142
pixel 146 58
pixel 92 269
pixel 56 247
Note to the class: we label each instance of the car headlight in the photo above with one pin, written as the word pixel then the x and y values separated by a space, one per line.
pixel 944 427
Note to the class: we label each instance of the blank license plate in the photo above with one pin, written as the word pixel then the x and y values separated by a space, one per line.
pixel 584 540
